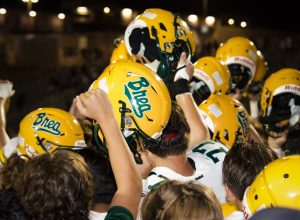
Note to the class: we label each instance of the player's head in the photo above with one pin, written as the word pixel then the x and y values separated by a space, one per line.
pixel 157 38
pixel 140 100
pixel 242 164
pixel 210 77
pixel 277 185
pixel 56 186
pixel 226 119
pixel 46 130
pixel 240 55
pixel 176 200
pixel 174 139
pixel 280 101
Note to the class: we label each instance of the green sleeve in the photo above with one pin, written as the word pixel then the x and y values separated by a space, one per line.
pixel 119 213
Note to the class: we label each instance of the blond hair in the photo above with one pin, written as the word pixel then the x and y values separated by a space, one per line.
pixel 178 201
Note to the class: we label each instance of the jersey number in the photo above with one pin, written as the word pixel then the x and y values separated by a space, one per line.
pixel 200 149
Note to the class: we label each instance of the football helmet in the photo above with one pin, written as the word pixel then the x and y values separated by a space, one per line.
pixel 276 185
pixel 140 100
pixel 157 38
pixel 226 119
pixel 280 100
pixel 262 67
pixel 210 77
pixel 46 130
pixel 240 55
pixel 256 85
pixel 120 53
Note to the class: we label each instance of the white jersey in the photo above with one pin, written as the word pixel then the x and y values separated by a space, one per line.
pixel 97 215
pixel 206 158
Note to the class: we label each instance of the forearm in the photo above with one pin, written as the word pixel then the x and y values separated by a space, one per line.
pixel 4 138
pixel 117 146
pixel 126 174
pixel 199 131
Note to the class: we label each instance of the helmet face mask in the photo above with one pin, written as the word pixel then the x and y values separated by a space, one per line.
pixel 240 76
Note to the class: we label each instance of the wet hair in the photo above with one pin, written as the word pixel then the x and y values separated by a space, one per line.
pixel 175 200
pixel 242 163
pixel 56 186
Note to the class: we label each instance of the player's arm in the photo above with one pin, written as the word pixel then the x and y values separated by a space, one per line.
pixel 95 104
pixel 4 138
pixel 199 131
pixel 6 91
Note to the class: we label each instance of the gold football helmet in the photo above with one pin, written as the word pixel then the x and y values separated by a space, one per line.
pixel 276 185
pixel 226 118
pixel 120 53
pixel 210 77
pixel 240 55
pixel 140 100
pixel 46 130
pixel 262 67
pixel 280 100
pixel 157 38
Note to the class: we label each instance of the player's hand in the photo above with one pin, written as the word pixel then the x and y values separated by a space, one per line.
pixel 185 68
pixel 6 89
pixel 95 104
pixel 74 110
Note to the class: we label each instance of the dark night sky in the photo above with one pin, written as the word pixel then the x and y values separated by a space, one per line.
pixel 276 14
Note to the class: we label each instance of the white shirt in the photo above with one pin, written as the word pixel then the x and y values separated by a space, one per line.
pixel 97 215
pixel 207 159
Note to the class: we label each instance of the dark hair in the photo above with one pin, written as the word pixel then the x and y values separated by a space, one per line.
pixel 291 146
pixel 243 162
pixel 56 186
pixel 174 140
pixel 10 207
pixel 104 181
pixel 175 200
pixel 10 171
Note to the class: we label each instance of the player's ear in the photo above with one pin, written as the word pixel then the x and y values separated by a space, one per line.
pixel 229 195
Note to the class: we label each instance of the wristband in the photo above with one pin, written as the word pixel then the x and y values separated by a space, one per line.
pixel 179 87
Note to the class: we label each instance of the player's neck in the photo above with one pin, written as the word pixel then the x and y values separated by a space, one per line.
pixel 179 164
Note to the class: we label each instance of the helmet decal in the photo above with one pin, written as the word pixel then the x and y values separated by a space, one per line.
pixel 45 124
pixel 137 96
pixel 243 120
